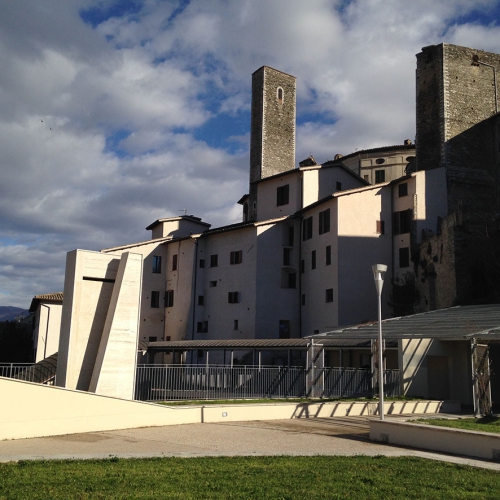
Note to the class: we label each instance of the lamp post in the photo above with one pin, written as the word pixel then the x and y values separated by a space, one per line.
pixel 378 270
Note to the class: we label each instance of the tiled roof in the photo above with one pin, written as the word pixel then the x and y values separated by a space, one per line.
pixel 45 297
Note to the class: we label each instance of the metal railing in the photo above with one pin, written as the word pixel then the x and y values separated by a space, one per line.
pixel 30 372
pixel 193 382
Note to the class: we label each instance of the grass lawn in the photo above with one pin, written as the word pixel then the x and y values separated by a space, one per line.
pixel 247 477
pixel 484 424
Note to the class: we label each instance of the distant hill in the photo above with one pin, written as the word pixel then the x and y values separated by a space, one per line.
pixel 9 313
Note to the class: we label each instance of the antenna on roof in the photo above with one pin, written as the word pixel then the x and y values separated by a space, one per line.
pixel 183 210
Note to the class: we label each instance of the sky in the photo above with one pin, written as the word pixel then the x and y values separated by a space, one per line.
pixel 116 113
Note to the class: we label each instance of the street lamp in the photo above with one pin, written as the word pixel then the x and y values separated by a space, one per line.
pixel 378 270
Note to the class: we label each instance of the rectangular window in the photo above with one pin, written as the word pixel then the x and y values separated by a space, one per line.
pixel 302 266
pixel 303 299
pixel 201 300
pixel 284 329
pixel 404 257
pixel 236 257
pixel 403 189
pixel 156 264
pixel 313 259
pixel 282 195
pixel 380 228
pixel 174 262
pixel 169 298
pixel 329 295
pixel 235 324
pixel 339 186
pixel 152 339
pixel 287 253
pixel 213 283
pixel 292 280
pixel 291 235
pixel 379 176
pixel 155 299
pixel 232 297
pixel 307 229
pixel 214 260
pixel 328 255
pixel 324 221
pixel 402 221
pixel 202 263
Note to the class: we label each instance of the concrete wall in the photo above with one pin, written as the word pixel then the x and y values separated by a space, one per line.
pixel 429 437
pixel 99 328
pixel 36 410
pixel 47 329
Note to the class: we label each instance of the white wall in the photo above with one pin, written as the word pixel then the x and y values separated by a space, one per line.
pixel 47 329
pixel 267 196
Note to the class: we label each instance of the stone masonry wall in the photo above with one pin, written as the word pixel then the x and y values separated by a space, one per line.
pixel 272 142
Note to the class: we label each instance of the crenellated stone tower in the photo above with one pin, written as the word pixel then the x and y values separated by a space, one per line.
pixel 272 142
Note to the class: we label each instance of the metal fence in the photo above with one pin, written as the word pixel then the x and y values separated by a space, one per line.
pixel 178 382
pixel 40 373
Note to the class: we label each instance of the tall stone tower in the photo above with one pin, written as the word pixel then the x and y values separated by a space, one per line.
pixel 455 99
pixel 272 142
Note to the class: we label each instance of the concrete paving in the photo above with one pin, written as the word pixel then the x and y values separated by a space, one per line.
pixel 320 436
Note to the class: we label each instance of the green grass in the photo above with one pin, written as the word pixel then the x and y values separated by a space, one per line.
pixel 485 424
pixel 247 477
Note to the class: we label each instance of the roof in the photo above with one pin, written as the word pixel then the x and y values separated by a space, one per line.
pixel 454 323
pixel 191 218
pixel 373 150
pixel 257 344
pixel 56 297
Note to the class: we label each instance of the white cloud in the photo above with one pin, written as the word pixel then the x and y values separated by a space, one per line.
pixel 147 81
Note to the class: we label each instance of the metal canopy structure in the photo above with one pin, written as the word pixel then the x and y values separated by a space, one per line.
pixel 256 344
pixel 455 323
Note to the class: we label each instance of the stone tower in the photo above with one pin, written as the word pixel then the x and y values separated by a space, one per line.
pixel 455 99
pixel 272 142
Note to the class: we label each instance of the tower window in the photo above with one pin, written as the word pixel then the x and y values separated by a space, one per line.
pixel 175 259
pixel 280 95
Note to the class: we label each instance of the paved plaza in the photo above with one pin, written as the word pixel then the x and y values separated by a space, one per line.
pixel 320 436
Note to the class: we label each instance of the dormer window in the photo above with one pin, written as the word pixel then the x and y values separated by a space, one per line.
pixel 280 95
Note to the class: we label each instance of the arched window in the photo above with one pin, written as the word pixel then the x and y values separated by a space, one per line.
pixel 280 95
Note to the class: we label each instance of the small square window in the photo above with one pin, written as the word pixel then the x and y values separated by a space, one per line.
pixel 329 295
pixel 232 297
pixel 339 186
pixel 403 189
pixel 155 299
pixel 156 264
pixel 175 259
pixel 202 263
pixel 202 326
pixel 236 257
pixel 214 260
pixel 201 300
pixel 169 298
pixel 328 255
pixel 213 283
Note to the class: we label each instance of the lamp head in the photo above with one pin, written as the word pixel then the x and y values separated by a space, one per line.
pixel 378 270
